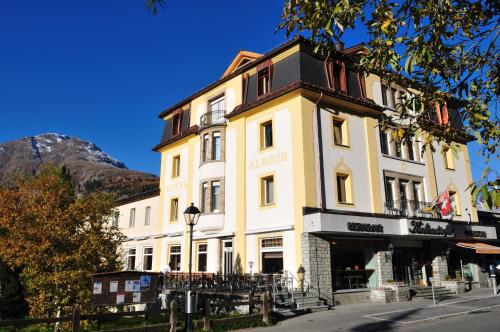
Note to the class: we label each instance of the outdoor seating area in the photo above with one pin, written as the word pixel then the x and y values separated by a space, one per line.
pixel 215 282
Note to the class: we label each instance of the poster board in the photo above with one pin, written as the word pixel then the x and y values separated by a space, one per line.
pixel 124 287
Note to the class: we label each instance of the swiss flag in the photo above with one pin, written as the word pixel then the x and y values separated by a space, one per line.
pixel 444 205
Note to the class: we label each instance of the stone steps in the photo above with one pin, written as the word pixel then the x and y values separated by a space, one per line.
pixel 426 292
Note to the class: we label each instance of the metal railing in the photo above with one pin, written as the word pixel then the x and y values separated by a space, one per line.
pixel 410 208
pixel 208 119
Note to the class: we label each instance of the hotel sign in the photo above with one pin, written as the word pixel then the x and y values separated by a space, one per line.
pixel 361 227
pixel 418 227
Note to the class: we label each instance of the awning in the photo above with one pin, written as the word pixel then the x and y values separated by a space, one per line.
pixel 481 248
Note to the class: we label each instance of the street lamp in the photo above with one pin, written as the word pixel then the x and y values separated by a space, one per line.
pixel 191 215
pixel 300 274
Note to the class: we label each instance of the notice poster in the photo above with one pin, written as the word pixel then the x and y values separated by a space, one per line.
pixel 136 298
pixel 97 288
pixel 145 282
pixel 120 298
pixel 132 285
pixel 113 286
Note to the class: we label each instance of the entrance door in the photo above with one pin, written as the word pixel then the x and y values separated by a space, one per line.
pixel 407 266
pixel 227 248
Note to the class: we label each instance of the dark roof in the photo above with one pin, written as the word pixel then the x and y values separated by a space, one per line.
pixel 191 131
pixel 304 85
pixel 138 197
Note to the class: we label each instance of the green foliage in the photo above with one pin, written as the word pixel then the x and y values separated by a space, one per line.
pixel 57 240
pixel 448 50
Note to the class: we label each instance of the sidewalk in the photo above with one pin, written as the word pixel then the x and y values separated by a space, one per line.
pixel 379 317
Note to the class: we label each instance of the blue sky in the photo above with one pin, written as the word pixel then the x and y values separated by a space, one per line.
pixel 103 70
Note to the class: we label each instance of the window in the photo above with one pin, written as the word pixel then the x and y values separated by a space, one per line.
pixel 218 104
pixel 131 260
pixel 147 259
pixel 416 195
pixel 384 95
pixel 215 207
pixel 176 124
pixel 216 146
pixel 174 209
pixel 147 217
pixel 344 189
pixel 272 255
pixel 267 190
pixel 389 192
pixel 266 135
pixel 397 146
pixel 455 202
pixel 204 152
pixel 204 196
pixel 202 257
pixel 384 142
pixel 174 259
pixel 448 158
pixel 116 218
pixel 339 126
pixel 409 147
pixel 176 166
pixel 131 222
pixel 263 82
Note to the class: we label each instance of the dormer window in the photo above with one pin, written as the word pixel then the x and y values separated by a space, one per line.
pixel 176 124
pixel 264 77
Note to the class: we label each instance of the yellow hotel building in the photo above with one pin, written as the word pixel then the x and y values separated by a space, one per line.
pixel 284 157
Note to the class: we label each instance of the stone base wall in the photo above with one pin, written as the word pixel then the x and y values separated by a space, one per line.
pixel 402 292
pixel 317 262
pixel 383 295
pixel 457 287
pixel 383 260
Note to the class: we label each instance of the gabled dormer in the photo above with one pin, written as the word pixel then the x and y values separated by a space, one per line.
pixel 241 59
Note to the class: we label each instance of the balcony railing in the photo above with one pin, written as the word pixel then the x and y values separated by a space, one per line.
pixel 409 208
pixel 213 118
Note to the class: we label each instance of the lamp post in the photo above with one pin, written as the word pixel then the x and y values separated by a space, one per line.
pixel 191 215
pixel 300 274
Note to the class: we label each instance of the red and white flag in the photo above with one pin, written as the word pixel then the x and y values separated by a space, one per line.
pixel 445 206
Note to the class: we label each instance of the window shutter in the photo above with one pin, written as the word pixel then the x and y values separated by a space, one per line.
pixel 438 113
pixel 246 80
pixel 185 117
pixel 362 85
pixel 444 114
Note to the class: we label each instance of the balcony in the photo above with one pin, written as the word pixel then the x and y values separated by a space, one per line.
pixel 213 118
pixel 410 209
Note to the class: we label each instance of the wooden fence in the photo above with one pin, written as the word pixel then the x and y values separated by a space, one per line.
pixel 172 325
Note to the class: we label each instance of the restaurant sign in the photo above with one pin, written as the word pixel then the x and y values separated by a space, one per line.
pixel 361 227
pixel 418 227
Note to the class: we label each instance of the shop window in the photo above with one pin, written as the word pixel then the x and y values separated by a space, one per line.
pixel 448 158
pixel 216 146
pixel 174 258
pixel 204 196
pixel 267 190
pixel 205 145
pixel 176 166
pixel 263 81
pixel 350 270
pixel 455 202
pixel 215 204
pixel 272 255
pixel 131 259
pixel 266 135
pixel 147 216
pixel 202 257
pixel 344 193
pixel 147 259
pixel 340 133
pixel 131 221
pixel 174 209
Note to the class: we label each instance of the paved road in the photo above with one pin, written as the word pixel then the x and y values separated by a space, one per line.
pixel 477 311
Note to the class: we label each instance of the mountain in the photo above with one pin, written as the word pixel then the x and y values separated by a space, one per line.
pixel 90 167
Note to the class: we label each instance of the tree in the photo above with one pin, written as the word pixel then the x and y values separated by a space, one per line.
pixel 12 301
pixel 57 240
pixel 447 50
